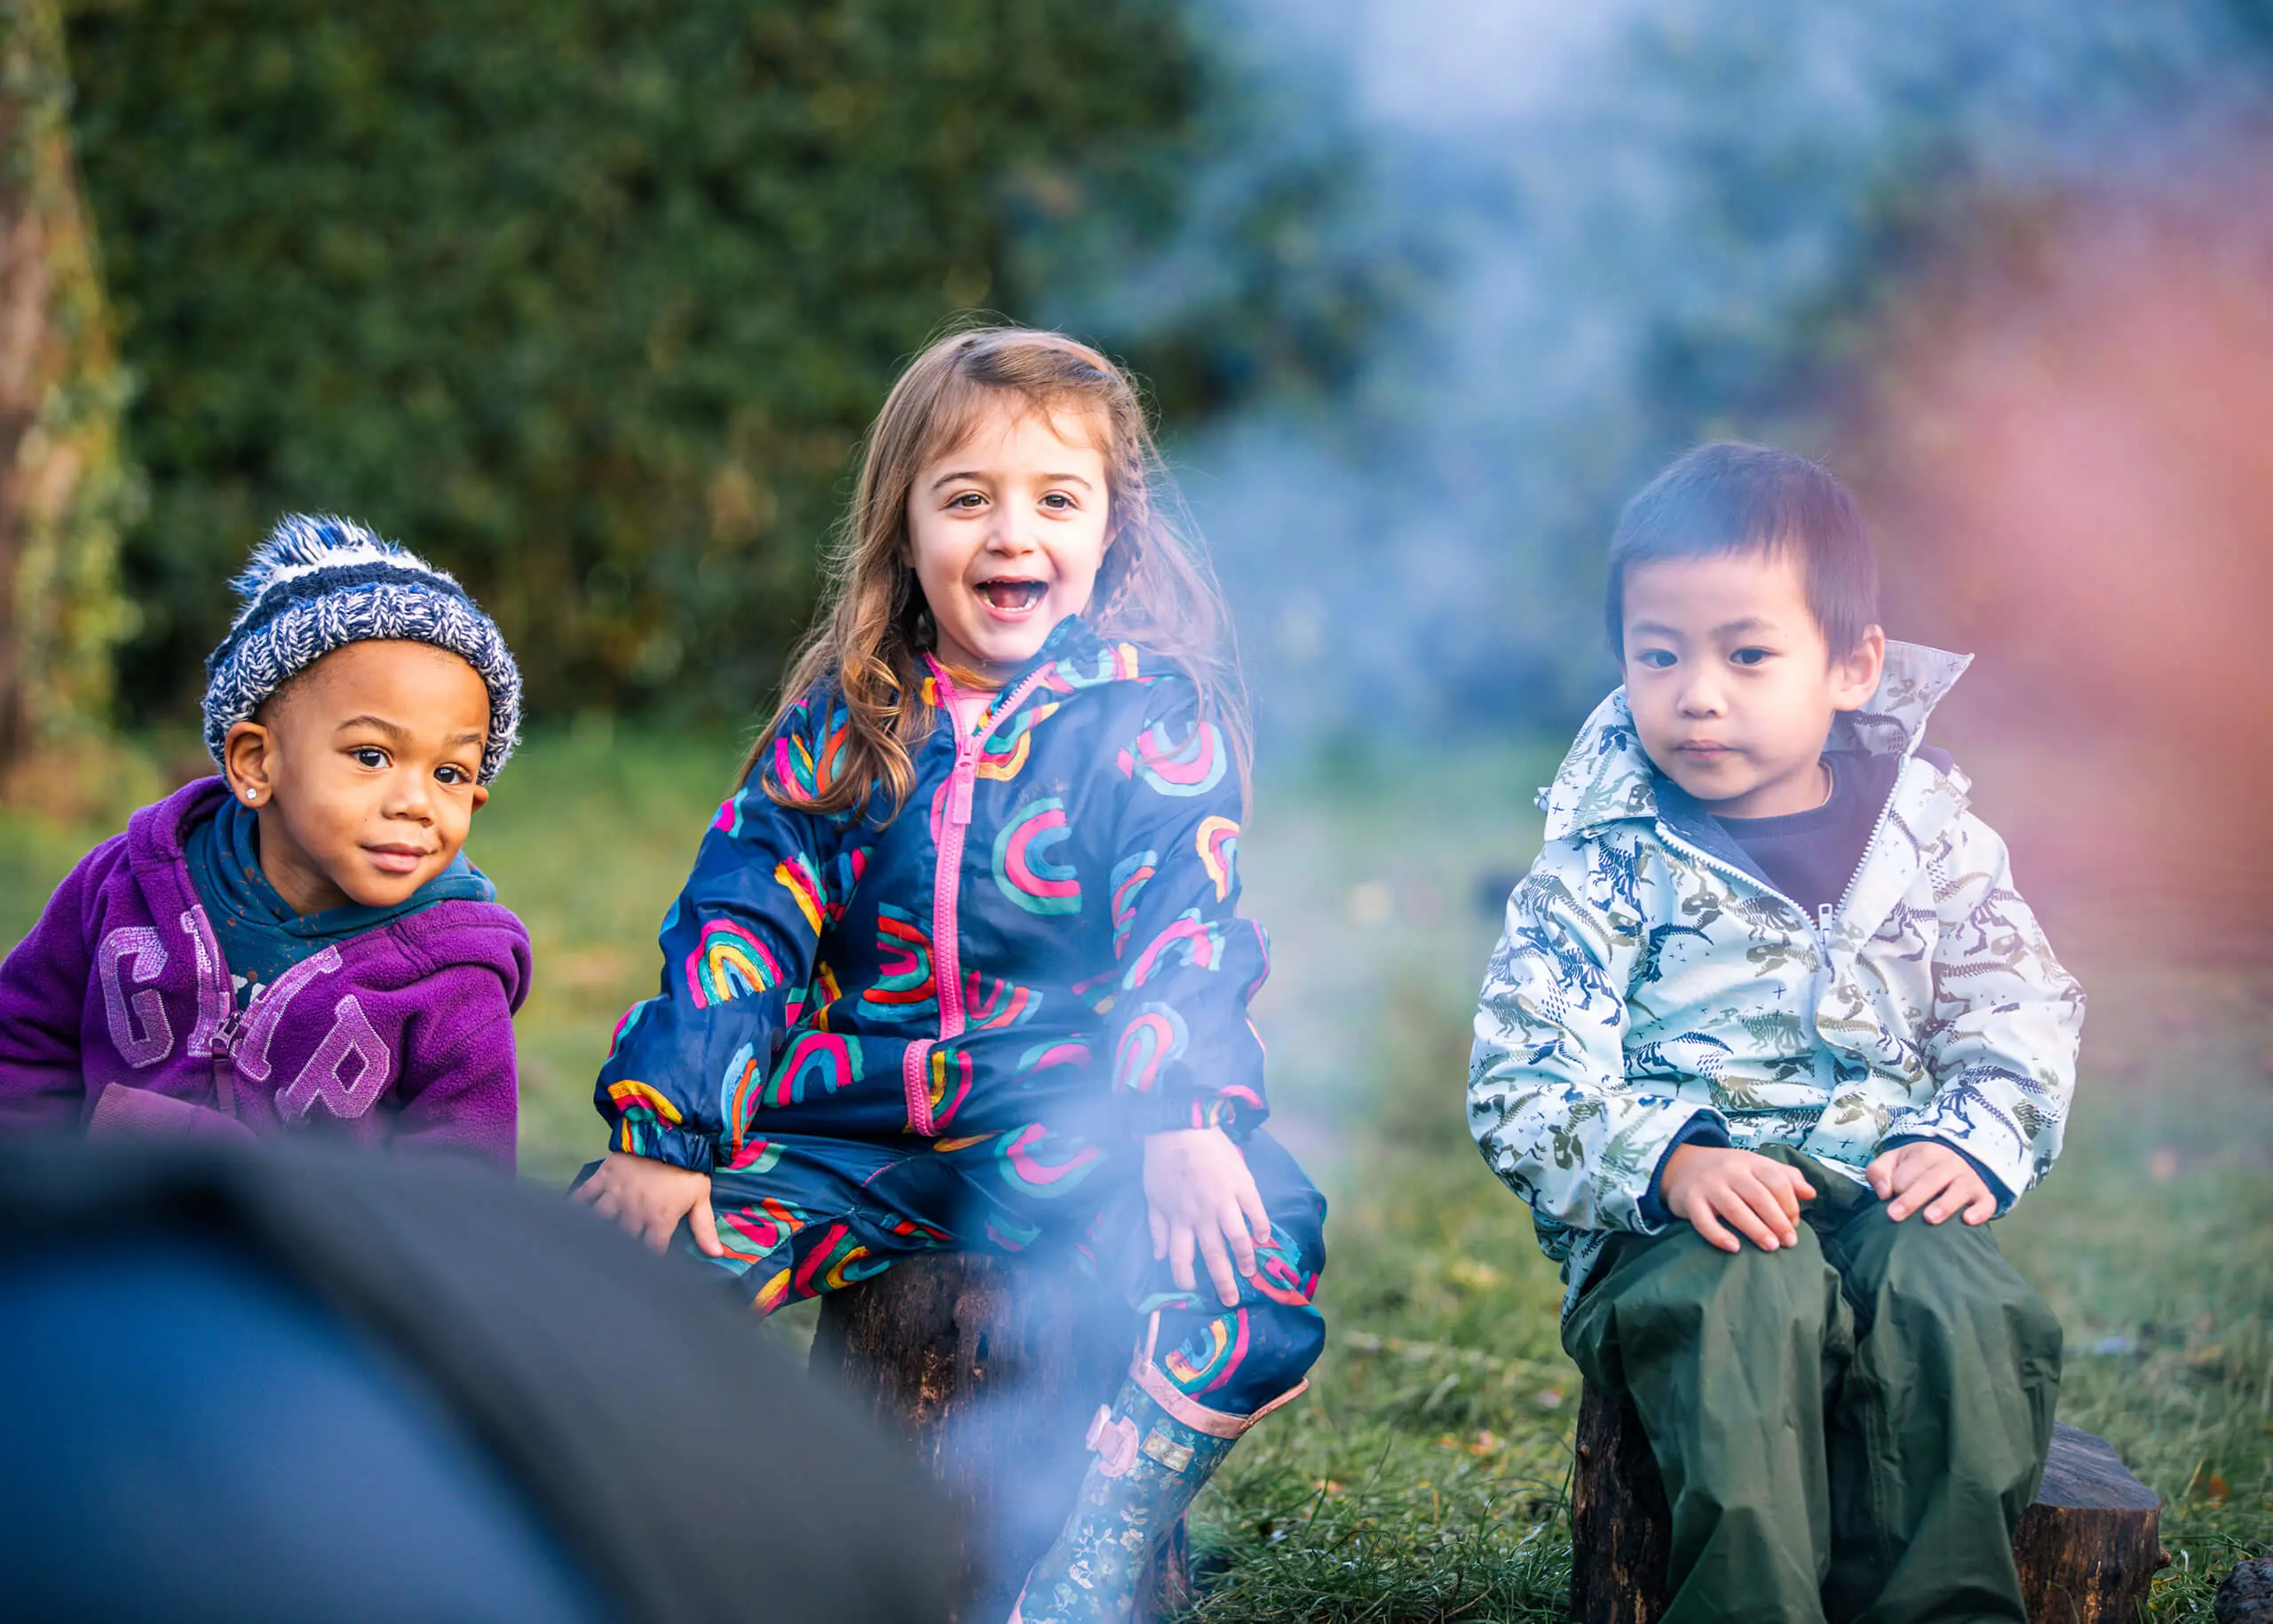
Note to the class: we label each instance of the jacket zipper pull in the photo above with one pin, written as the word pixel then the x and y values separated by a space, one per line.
pixel 966 771
pixel 224 1064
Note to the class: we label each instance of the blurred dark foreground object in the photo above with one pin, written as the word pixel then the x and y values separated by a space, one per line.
pixel 260 1384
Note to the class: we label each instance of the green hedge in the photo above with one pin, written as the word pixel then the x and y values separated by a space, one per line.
pixel 587 299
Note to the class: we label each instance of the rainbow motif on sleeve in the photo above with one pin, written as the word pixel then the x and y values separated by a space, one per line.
pixel 639 1108
pixel 728 815
pixel 824 992
pixel 1023 873
pixel 729 963
pixel 844 880
pixel 1155 1037
pixel 1217 842
pixel 1129 878
pixel 1187 938
pixel 742 1078
pixel 800 765
pixel 795 874
pixel 1192 767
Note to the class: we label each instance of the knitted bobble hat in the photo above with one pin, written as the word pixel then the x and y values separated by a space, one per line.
pixel 318 583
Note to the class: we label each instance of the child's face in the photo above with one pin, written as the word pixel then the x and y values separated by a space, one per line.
pixel 363 771
pixel 1005 533
pixel 1732 686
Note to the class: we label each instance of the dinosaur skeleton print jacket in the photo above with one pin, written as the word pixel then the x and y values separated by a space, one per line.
pixel 1650 976
pixel 1045 942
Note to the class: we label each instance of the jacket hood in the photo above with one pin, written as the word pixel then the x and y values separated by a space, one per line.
pixel 1607 776
pixel 159 832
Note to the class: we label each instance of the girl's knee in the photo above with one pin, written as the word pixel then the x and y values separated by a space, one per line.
pixel 1240 1361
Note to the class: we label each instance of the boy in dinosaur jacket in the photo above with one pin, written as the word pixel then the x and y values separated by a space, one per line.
pixel 1769 1038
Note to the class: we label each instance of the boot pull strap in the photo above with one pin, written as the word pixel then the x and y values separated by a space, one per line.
pixel 1113 1442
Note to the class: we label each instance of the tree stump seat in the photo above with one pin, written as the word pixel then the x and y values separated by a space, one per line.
pixel 989 1368
pixel 2087 1549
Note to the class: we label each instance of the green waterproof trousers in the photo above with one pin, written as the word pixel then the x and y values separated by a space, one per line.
pixel 1848 1428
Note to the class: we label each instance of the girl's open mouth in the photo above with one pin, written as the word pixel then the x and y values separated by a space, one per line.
pixel 1012 595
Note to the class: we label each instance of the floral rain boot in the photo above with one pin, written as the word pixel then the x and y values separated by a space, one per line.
pixel 1155 1450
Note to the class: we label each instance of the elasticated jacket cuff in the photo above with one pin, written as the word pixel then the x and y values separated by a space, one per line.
pixel 659 1141
pixel 1150 1113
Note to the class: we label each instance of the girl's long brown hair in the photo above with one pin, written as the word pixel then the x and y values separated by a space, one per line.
pixel 1154 587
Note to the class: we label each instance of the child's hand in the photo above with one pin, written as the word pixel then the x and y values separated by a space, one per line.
pixel 1758 1195
pixel 1910 1176
pixel 649 1198
pixel 1201 1195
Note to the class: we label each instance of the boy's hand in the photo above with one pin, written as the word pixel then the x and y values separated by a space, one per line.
pixel 649 1198
pixel 1910 1176
pixel 1199 1193
pixel 1717 1187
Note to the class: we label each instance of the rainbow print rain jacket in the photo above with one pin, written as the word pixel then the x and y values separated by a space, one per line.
pixel 1047 936
pixel 1650 975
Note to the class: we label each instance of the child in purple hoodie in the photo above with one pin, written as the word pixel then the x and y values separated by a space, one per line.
pixel 300 944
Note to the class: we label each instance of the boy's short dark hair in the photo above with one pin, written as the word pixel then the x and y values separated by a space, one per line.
pixel 1732 497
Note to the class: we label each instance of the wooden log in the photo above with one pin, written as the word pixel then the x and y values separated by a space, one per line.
pixel 2086 1549
pixel 1621 1530
pixel 989 1368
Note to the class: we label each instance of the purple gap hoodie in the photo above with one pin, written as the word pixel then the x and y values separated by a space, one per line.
pixel 401 1036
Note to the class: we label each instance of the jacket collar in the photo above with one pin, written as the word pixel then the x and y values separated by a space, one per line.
pixel 1607 777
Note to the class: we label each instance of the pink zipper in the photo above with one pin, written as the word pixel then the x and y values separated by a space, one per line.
pixel 947 958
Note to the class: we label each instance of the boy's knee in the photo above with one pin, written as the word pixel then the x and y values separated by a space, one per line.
pixel 1696 1279
pixel 1949 1281
pixel 1678 1295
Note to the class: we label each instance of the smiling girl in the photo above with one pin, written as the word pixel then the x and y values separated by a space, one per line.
pixel 961 963
pixel 299 944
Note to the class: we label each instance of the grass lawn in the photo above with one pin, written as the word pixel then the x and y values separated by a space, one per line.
pixel 1424 1477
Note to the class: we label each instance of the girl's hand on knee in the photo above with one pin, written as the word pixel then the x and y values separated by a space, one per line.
pixel 649 1198
pixel 1911 1176
pixel 1200 1196
pixel 1725 1192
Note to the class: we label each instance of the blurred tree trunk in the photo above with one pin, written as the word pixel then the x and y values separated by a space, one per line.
pixel 64 486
